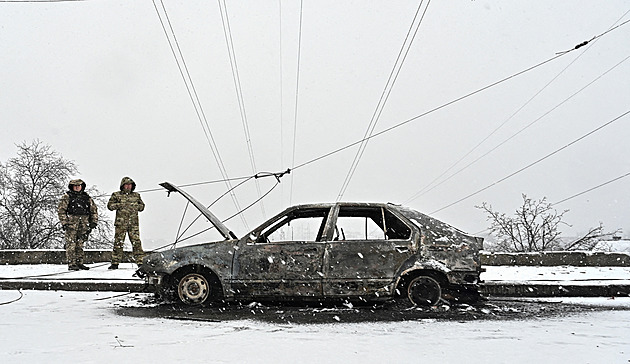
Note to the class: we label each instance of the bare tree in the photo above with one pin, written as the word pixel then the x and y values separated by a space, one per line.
pixel 30 187
pixel 590 239
pixel 101 237
pixel 533 227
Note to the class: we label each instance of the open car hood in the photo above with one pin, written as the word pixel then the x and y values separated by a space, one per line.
pixel 223 230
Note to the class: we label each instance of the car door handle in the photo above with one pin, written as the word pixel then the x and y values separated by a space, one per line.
pixel 402 249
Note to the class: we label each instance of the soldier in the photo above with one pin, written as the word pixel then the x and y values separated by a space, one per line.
pixel 127 205
pixel 78 215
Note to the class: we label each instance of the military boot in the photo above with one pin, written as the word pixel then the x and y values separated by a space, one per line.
pixel 83 266
pixel 113 266
pixel 73 267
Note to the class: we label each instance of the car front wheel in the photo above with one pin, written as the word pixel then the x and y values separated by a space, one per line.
pixel 194 288
pixel 424 291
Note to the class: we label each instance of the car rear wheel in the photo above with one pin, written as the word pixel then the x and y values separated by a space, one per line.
pixel 194 288
pixel 424 291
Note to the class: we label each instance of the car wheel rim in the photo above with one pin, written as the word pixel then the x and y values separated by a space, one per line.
pixel 193 288
pixel 424 291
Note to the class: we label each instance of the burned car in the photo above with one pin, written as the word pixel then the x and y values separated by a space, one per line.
pixel 331 251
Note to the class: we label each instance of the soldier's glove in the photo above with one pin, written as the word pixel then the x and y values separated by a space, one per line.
pixel 65 226
pixel 92 225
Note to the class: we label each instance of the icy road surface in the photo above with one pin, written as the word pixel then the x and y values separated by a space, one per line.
pixel 87 327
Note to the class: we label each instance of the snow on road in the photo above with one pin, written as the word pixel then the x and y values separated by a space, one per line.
pixel 62 327
pixel 86 327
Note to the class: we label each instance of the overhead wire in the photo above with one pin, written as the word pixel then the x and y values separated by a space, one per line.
pixel 591 189
pixel 281 94
pixel 419 194
pixel 192 92
pixel 533 163
pixel 574 196
pixel 415 118
pixel 227 31
pixel 384 131
pixel 389 85
pixel 278 176
pixel 426 189
pixel 297 93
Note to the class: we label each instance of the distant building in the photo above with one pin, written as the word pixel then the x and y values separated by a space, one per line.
pixel 615 245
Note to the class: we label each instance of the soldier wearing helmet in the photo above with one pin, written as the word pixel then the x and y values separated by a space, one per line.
pixel 78 215
pixel 127 204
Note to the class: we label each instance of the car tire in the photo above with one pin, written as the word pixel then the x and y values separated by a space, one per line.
pixel 424 291
pixel 194 288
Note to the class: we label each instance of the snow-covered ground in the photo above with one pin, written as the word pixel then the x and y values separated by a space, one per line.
pixel 563 274
pixel 86 327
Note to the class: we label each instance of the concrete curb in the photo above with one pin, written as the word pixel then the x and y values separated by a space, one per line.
pixel 506 289
pixel 76 285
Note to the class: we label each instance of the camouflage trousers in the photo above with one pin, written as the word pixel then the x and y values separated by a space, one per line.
pixel 77 233
pixel 119 240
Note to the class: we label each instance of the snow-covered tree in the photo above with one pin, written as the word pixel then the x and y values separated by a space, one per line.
pixel 533 227
pixel 30 187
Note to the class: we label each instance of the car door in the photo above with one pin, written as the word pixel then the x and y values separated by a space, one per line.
pixel 369 245
pixel 283 258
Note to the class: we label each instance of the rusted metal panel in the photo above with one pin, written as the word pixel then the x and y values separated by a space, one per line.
pixel 284 268
pixel 354 268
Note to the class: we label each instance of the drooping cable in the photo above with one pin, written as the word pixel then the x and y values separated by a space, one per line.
pixel 533 163
pixel 227 31
pixel 591 189
pixel 338 150
pixel 389 85
pixel 297 94
pixel 428 187
pixel 195 98
pixel 281 95
pixel 415 118
pixel 419 194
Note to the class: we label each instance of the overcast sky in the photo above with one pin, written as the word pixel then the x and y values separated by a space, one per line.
pixel 97 81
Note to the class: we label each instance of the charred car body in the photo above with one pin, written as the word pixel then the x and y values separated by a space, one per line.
pixel 356 251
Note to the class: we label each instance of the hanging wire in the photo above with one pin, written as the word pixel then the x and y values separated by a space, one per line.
pixel 276 175
pixel 192 92
pixel 297 93
pixel 446 104
pixel 428 187
pixel 591 189
pixel 532 164
pixel 389 85
pixel 425 191
pixel 209 206
pixel 239 93
pixel 281 95
pixel 15 300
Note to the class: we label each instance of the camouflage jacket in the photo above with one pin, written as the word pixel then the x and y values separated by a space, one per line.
pixel 127 204
pixel 64 208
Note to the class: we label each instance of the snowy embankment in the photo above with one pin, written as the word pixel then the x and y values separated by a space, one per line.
pixel 560 274
pixel 87 327
pixel 493 274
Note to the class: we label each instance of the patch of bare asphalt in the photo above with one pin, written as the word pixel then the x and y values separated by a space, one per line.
pixel 296 313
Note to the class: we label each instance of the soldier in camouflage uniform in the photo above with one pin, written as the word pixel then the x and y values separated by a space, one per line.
pixel 78 215
pixel 127 205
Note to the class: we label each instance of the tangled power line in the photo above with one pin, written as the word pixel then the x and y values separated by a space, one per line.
pixel 369 133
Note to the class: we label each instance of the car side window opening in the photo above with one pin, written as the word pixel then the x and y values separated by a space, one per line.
pixel 297 225
pixel 369 223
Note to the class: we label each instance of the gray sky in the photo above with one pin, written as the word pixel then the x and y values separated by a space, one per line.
pixel 98 82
